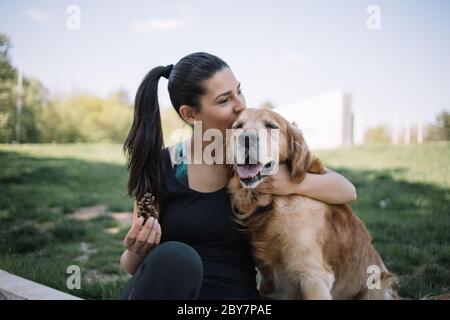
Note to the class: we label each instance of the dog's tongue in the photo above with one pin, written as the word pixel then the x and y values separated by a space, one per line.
pixel 248 170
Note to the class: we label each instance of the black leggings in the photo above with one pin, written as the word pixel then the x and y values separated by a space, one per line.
pixel 173 270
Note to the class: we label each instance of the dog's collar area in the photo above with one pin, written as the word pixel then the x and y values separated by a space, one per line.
pixel 259 209
pixel 262 209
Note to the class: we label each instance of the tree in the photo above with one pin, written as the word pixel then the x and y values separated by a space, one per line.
pixel 121 96
pixel 34 98
pixel 174 128
pixel 443 122
pixel 440 130
pixel 85 118
pixel 7 71
pixel 76 118
pixel 7 97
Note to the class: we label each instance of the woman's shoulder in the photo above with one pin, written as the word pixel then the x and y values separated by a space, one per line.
pixel 171 151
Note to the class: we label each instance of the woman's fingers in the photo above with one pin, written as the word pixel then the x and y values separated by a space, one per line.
pixel 132 234
pixel 151 240
pixel 143 234
pixel 158 234
pixel 152 235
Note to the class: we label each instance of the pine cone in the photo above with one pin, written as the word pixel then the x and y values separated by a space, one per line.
pixel 147 207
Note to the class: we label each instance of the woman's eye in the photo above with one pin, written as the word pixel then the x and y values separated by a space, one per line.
pixel 240 91
pixel 223 101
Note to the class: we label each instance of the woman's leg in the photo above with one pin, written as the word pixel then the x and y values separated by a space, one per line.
pixel 173 270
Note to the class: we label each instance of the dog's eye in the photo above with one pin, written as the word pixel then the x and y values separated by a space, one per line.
pixel 271 125
pixel 237 125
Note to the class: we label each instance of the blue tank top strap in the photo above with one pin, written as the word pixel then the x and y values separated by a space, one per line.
pixel 180 165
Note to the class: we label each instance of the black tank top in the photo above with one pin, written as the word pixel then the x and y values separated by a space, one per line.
pixel 204 221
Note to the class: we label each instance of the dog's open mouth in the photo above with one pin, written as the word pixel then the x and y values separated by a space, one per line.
pixel 250 174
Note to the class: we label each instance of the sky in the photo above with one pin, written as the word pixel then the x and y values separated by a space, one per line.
pixel 281 51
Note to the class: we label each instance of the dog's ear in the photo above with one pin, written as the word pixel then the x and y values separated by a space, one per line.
pixel 298 153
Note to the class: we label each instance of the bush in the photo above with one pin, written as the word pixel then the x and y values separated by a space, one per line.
pixel 441 130
pixel 85 118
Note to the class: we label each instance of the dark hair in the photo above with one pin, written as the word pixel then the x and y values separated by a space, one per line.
pixel 144 144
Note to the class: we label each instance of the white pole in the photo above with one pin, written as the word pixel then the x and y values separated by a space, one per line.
pixel 420 132
pixel 19 101
pixel 407 131
pixel 395 134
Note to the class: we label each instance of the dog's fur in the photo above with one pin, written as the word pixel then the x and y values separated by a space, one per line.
pixel 305 248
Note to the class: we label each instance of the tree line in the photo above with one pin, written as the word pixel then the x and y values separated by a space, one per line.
pixel 62 118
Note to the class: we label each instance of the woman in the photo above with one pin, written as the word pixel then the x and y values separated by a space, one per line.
pixel 195 250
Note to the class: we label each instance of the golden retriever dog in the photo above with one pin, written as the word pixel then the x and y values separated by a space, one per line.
pixel 303 248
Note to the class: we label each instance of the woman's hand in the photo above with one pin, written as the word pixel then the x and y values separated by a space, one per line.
pixel 279 183
pixel 329 187
pixel 141 239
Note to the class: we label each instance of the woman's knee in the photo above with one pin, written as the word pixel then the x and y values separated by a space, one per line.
pixel 172 270
pixel 175 254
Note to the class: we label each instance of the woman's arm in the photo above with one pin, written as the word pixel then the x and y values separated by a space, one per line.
pixel 330 187
pixel 130 261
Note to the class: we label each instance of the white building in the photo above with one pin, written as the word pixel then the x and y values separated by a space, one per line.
pixel 326 120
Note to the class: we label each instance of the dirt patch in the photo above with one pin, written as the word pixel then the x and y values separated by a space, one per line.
pixel 445 296
pixel 114 230
pixel 122 217
pixel 87 251
pixel 89 213
pixel 96 276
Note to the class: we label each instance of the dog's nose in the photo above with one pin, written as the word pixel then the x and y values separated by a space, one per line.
pixel 248 145
pixel 248 139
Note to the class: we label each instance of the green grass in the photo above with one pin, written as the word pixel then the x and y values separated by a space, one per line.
pixel 40 186
pixel 403 197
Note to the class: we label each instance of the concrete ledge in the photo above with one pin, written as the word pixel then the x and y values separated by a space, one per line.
pixel 13 287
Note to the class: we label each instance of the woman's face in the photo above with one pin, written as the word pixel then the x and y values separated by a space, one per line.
pixel 223 101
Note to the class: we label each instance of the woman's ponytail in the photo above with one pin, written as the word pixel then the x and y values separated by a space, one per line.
pixel 144 144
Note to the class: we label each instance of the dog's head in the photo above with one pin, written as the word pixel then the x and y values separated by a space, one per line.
pixel 261 140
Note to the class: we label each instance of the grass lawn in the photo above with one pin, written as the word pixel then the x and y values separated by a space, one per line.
pixel 403 197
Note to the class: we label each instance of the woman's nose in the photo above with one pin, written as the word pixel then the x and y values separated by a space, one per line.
pixel 240 105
